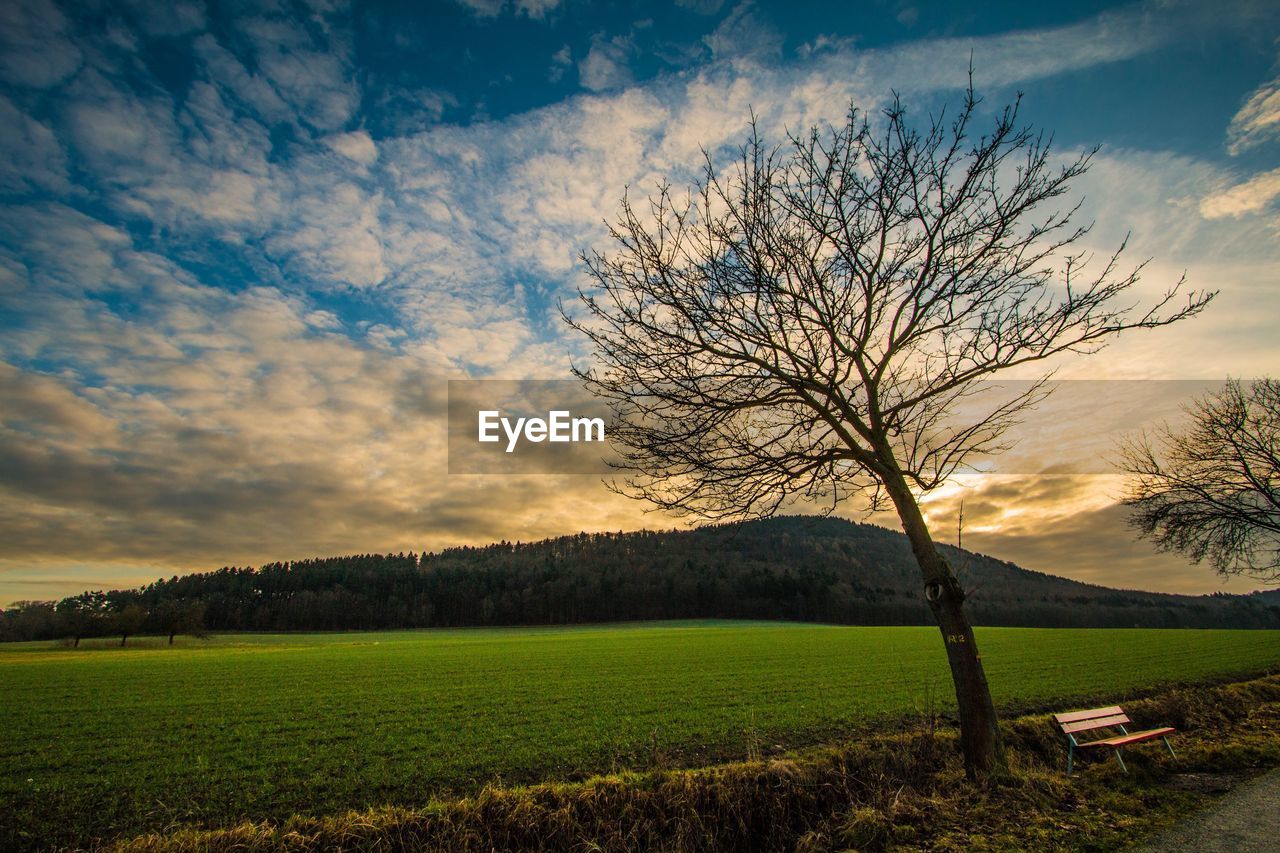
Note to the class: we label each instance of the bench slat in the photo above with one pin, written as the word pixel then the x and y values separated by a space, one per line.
pixel 1099 723
pixel 1132 737
pixel 1103 718
pixel 1075 716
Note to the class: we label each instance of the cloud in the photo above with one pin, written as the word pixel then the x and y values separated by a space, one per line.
pixel 536 9
pixel 251 404
pixel 31 157
pixel 701 7
pixel 743 34
pixel 41 404
pixel 356 146
pixel 62 251
pixel 35 45
pixel 484 8
pixel 206 167
pixel 311 72
pixel 1258 121
pixel 335 236
pixel 232 82
pixel 560 60
pixel 260 437
pixel 606 65
pixel 168 18
pixel 1155 198
pixel 402 112
pixel 1252 196
pixel 200 167
pixel 1064 525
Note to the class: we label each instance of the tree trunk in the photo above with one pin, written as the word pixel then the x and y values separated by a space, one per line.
pixel 171 635
pixel 123 637
pixel 979 731
pixel 77 643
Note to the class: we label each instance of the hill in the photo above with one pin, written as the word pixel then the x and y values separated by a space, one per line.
pixel 790 568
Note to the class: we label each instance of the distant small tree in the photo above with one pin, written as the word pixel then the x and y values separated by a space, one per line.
pixel 81 616
pixel 808 322
pixel 1212 490
pixel 179 616
pixel 128 620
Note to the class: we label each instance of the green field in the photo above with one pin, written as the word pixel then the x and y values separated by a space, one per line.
pixel 102 741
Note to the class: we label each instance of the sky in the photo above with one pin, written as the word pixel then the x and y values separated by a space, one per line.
pixel 244 247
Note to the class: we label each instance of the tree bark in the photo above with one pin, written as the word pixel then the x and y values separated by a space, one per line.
pixel 979 730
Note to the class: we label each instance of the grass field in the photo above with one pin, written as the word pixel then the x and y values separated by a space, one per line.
pixel 103 741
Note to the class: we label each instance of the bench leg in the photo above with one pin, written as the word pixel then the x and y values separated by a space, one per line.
pixel 1121 760
pixel 1166 743
pixel 1071 749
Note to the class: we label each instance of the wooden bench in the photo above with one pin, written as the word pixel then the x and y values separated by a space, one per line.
pixel 1074 722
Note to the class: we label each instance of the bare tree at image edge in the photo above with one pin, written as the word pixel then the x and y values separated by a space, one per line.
pixel 1212 490
pixel 803 325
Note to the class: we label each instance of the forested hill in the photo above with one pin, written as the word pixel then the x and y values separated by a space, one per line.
pixel 792 568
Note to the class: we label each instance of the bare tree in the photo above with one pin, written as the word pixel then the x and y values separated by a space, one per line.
pixel 1212 491
pixel 802 325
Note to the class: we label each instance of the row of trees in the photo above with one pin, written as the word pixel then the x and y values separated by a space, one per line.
pixel 121 613
pixel 788 568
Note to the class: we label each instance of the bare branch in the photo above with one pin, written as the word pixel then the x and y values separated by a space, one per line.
pixel 1213 491
pixel 805 321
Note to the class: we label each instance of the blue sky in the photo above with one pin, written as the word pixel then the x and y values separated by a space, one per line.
pixel 244 245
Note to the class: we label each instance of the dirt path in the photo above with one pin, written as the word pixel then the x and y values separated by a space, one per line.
pixel 1245 820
